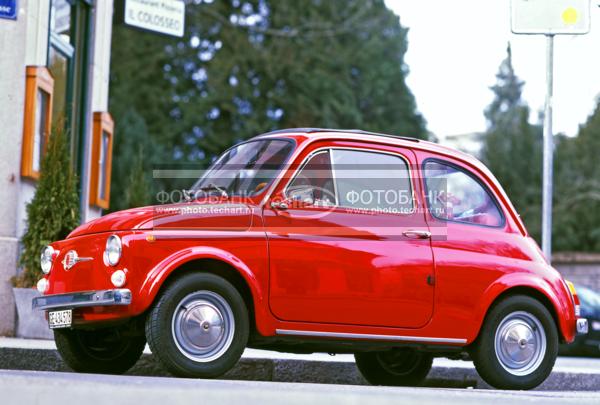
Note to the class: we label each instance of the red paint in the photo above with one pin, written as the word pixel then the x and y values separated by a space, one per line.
pixel 339 272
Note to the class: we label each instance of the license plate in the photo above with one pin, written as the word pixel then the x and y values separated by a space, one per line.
pixel 60 319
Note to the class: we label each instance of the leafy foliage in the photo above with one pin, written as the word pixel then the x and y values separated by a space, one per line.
pixel 513 151
pixel 138 193
pixel 576 225
pixel 513 147
pixel 134 152
pixel 54 210
pixel 247 67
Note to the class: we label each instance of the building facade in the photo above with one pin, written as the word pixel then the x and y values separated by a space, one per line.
pixel 54 72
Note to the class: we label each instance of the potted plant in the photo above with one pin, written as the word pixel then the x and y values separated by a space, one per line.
pixel 51 215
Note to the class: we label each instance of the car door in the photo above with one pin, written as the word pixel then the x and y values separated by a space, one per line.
pixel 348 242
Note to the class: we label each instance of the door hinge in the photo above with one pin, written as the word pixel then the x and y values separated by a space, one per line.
pixel 431 279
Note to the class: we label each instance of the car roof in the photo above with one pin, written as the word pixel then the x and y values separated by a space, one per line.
pixel 330 130
pixel 368 136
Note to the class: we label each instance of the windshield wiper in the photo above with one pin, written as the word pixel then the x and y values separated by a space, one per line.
pixel 189 193
pixel 211 186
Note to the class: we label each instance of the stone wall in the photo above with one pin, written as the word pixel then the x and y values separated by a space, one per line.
pixel 580 268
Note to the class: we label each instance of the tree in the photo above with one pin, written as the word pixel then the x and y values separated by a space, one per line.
pixel 513 147
pixel 247 67
pixel 135 154
pixel 576 225
pixel 507 107
pixel 54 210
pixel 138 192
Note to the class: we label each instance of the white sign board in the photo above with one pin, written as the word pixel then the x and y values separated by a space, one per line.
pixel 550 16
pixel 164 16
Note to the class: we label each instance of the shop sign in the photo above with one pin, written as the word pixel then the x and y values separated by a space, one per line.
pixel 162 16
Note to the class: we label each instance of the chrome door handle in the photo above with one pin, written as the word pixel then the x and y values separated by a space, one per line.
pixel 416 234
pixel 279 205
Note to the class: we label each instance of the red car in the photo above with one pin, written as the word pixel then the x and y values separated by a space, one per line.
pixel 305 240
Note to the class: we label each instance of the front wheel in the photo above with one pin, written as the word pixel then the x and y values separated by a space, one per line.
pixel 199 326
pixel 397 367
pixel 104 351
pixel 517 345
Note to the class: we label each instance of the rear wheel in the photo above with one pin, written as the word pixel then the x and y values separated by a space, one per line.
pixel 398 367
pixel 199 326
pixel 517 345
pixel 104 351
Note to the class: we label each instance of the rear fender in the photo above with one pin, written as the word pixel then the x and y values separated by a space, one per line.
pixel 522 283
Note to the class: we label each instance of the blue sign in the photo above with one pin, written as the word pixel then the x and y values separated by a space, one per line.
pixel 8 9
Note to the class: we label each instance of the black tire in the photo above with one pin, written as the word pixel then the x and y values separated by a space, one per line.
pixel 487 360
pixel 398 367
pixel 169 347
pixel 104 351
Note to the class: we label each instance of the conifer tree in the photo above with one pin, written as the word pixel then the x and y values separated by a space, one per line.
pixel 54 210
pixel 513 147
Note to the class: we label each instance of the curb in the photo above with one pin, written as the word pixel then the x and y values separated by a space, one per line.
pixel 300 371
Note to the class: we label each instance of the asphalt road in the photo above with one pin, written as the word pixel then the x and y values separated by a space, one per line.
pixel 270 377
pixel 45 388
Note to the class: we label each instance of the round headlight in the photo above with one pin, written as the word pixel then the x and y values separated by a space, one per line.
pixel 46 259
pixel 112 253
pixel 42 285
pixel 118 278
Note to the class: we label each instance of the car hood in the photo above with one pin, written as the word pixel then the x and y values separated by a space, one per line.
pixel 221 217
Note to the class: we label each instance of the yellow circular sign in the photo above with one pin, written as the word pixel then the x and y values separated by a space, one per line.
pixel 570 16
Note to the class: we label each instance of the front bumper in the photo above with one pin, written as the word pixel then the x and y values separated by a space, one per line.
pixel 582 326
pixel 83 299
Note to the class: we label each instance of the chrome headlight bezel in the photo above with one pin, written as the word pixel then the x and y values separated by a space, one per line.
pixel 46 258
pixel 113 250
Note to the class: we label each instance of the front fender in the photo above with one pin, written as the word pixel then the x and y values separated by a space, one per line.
pixel 158 274
pixel 553 290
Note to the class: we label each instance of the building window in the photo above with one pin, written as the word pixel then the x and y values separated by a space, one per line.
pixel 38 119
pixel 101 160
pixel 69 63
pixel 61 54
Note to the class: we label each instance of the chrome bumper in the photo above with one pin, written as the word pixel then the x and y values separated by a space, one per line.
pixel 582 326
pixel 83 299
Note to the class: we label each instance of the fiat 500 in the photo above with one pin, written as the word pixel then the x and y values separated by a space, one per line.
pixel 309 240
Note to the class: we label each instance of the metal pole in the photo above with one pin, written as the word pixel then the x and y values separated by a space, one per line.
pixel 548 153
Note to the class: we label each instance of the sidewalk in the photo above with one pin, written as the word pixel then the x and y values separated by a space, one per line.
pixel 569 373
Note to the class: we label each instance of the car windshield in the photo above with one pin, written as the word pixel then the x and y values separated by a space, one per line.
pixel 246 169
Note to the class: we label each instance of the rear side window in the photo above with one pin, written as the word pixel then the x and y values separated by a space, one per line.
pixel 455 195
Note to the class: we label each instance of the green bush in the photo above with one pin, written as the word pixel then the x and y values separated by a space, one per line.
pixel 54 210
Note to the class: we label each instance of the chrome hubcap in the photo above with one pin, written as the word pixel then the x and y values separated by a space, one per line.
pixel 520 343
pixel 203 326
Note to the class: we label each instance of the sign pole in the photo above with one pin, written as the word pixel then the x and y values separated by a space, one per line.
pixel 549 18
pixel 548 153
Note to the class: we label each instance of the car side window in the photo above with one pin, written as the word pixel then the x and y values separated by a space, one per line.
pixel 372 181
pixel 314 182
pixel 455 195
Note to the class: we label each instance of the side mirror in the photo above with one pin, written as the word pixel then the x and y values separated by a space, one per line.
pixel 304 195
